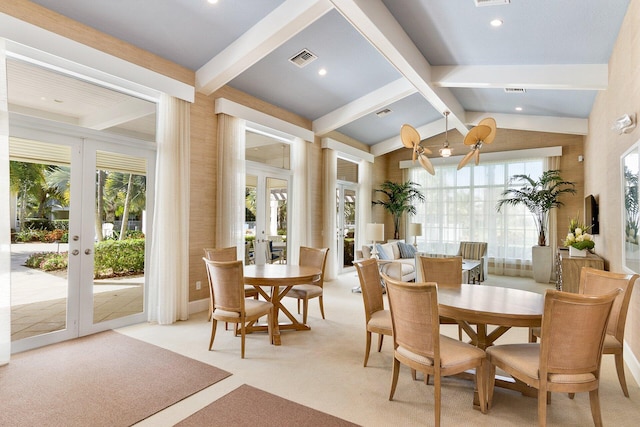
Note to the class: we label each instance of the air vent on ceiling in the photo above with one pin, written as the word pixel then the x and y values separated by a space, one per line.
pixel 480 3
pixel 383 113
pixel 514 90
pixel 303 58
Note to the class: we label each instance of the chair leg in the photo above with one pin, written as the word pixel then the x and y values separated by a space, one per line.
pixel 214 324
pixel 394 377
pixel 532 337
pixel 321 306
pixel 542 407
pixel 242 332
pixel 270 318
pixel 305 310
pixel 490 383
pixel 380 338
pixel 594 399
pixel 298 305
pixel 367 349
pixel 620 370
pixel 437 379
pixel 481 384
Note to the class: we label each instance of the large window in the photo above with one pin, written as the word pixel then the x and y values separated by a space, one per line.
pixel 461 206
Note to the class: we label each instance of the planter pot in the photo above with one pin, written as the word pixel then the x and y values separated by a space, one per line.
pixel 542 262
pixel 577 252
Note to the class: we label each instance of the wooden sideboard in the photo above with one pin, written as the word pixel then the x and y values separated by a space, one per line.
pixel 569 268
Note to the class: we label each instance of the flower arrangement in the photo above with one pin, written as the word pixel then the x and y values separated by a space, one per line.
pixel 578 236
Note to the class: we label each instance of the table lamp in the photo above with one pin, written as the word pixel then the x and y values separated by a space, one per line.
pixel 375 233
pixel 415 229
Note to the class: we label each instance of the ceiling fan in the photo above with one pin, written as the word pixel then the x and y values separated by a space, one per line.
pixel 484 132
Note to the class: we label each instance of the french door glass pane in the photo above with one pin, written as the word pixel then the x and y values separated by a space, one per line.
pixel 120 229
pixel 40 204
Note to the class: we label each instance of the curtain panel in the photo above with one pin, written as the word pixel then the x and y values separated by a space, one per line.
pixel 5 227
pixel 330 165
pixel 169 263
pixel 298 204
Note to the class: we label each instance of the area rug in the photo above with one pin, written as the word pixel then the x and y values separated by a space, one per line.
pixel 106 379
pixel 249 406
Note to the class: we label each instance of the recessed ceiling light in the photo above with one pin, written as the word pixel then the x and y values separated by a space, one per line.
pixel 518 108
pixel 496 22
pixel 322 71
pixel 212 1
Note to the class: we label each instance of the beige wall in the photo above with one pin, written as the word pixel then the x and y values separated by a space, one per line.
pixel 603 148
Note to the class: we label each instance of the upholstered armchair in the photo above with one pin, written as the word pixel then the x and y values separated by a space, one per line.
pixel 476 251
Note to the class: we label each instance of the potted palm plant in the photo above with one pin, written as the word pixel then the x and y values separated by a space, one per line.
pixel 399 199
pixel 539 197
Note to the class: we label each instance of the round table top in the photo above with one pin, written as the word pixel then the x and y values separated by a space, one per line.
pixel 491 305
pixel 282 274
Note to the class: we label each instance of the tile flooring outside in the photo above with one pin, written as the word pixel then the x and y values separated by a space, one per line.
pixel 38 299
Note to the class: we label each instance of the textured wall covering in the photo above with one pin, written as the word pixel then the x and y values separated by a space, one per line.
pixel 603 148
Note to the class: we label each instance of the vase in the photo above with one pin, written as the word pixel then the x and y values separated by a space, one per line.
pixel 577 252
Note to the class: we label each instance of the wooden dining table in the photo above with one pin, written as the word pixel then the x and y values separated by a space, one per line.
pixel 279 279
pixel 485 306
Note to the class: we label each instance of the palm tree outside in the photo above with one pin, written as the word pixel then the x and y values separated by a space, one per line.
pixel 400 199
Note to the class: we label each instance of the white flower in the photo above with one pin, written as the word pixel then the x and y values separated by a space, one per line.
pixel 579 238
pixel 578 231
pixel 586 236
pixel 570 237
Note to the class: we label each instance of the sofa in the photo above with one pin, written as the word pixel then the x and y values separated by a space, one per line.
pixel 402 256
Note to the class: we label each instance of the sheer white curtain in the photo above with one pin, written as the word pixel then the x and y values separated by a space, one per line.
pixel 231 183
pixel 298 203
pixel 330 166
pixel 169 263
pixel 5 236
pixel 363 204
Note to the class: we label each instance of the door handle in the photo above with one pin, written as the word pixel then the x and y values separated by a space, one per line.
pixel 75 252
pixel 87 251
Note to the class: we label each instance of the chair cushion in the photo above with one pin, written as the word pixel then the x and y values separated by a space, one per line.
pixel 252 307
pixel 380 320
pixel 305 291
pixel 452 353
pixel 525 358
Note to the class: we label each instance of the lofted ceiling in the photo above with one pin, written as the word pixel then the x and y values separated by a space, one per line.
pixel 416 58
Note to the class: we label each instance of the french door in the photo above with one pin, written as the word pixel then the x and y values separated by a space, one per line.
pixel 346 223
pixel 266 218
pixel 86 249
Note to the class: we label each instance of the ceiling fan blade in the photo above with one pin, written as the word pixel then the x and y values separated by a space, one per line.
pixel 425 150
pixel 477 156
pixel 476 134
pixel 466 159
pixel 426 163
pixel 415 153
pixel 409 136
pixel 491 122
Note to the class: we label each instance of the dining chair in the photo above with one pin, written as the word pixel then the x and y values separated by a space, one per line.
pixel 230 304
pixel 311 257
pixel 476 251
pixel 377 319
pixel 418 344
pixel 447 273
pixel 225 254
pixel 567 359
pixel 594 282
pixel 273 255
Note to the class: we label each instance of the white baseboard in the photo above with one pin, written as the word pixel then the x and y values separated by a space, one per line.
pixel 631 361
pixel 198 306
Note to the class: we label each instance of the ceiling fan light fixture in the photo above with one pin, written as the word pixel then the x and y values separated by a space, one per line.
pixel 445 152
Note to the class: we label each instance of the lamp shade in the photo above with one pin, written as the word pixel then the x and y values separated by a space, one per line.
pixel 415 229
pixel 375 232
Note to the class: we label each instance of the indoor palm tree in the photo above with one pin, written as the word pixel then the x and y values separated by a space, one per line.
pixel 539 197
pixel 400 198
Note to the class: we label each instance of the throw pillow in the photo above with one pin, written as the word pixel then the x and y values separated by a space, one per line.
pixel 381 253
pixel 406 250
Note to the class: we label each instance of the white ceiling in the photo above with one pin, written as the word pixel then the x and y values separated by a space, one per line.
pixel 417 58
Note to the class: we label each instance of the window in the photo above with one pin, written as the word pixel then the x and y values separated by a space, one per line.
pixel 461 206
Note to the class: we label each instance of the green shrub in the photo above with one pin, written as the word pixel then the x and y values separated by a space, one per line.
pixel 31 235
pixel 118 258
pixel 48 261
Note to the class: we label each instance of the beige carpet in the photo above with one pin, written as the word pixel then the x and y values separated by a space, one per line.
pixel 249 406
pixel 106 379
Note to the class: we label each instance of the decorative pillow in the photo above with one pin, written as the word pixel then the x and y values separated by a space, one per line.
pixel 406 250
pixel 381 252
pixel 388 250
